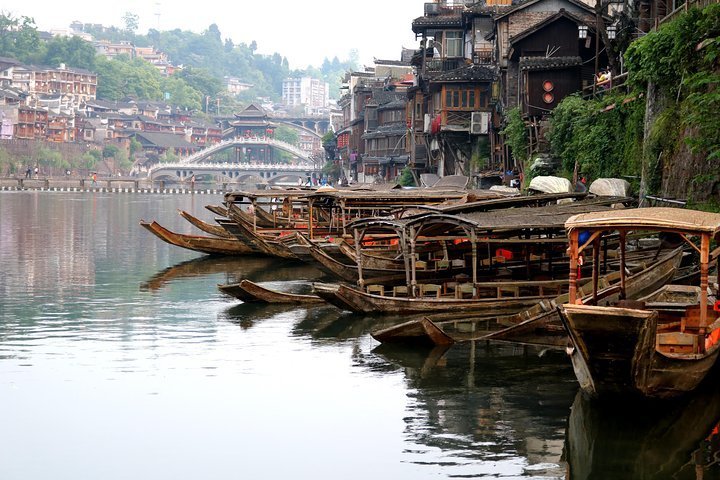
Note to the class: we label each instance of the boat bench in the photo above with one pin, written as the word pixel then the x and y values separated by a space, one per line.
pixel 376 289
pixel 677 342
pixel 430 289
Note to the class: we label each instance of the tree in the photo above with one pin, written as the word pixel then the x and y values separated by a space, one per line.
pixel 18 37
pixel 90 159
pixel 109 151
pixel 406 178
pixel 7 163
pixel 182 94
pixel 131 21
pixel 201 80
pixel 286 134
pixel 73 51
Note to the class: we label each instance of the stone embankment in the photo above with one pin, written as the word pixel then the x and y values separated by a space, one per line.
pixel 111 185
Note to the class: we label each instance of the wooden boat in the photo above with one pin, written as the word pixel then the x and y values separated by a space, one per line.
pixel 416 332
pixel 197 243
pixel 538 325
pixel 249 291
pixel 387 259
pixel 659 346
pixel 218 210
pixel 254 241
pixel 356 300
pixel 543 325
pixel 215 230
pixel 314 255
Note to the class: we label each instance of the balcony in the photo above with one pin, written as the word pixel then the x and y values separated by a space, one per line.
pixel 442 65
pixel 456 121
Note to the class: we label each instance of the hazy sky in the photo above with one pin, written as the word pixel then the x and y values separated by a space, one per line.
pixel 304 32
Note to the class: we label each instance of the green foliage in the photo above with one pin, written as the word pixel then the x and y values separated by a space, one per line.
pixel 201 80
pixel 122 161
pixel 682 59
pixel 135 146
pixel 332 170
pixel 18 37
pixel 179 93
pixel 516 136
pixel 603 136
pixel 206 59
pixel 48 158
pixel 406 178
pixel 110 151
pixel 7 164
pixel 168 157
pixel 481 153
pixel 128 78
pixel 329 144
pixel 131 21
pixel 287 134
pixel 72 51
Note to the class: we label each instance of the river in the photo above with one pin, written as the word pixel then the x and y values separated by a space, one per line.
pixel 119 358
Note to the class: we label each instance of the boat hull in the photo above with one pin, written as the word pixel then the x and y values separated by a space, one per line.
pixel 249 291
pixel 614 353
pixel 197 243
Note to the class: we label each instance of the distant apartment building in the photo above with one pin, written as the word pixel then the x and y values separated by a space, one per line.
pixel 311 93
pixel 234 85
pixel 157 58
pixel 70 86
pixel 111 50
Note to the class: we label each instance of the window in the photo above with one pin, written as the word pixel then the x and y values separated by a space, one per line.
pixel 463 98
pixel 371 169
pixel 453 44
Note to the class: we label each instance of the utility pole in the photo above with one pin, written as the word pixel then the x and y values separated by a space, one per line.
pixel 597 45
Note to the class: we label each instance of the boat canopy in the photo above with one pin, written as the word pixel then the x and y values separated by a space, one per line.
pixel 651 218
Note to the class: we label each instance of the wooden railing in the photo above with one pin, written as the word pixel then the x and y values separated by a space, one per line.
pixel 684 8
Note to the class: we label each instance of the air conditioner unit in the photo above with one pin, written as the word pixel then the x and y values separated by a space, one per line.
pixel 479 123
pixel 431 9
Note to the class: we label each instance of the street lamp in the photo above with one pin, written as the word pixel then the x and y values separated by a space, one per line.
pixel 611 32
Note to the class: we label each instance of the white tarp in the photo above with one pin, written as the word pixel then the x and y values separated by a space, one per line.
pixel 452 181
pixel 610 187
pixel 511 191
pixel 428 179
pixel 550 184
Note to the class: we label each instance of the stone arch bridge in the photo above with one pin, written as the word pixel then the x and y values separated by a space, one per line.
pixel 199 165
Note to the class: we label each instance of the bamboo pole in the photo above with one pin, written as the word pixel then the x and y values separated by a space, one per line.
pixel 358 257
pixel 573 254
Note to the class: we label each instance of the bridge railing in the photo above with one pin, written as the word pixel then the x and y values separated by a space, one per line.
pixel 302 167
pixel 237 141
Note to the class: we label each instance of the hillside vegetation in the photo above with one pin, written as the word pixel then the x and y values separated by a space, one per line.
pixel 205 57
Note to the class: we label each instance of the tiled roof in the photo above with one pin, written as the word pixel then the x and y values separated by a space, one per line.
pixel 393 105
pixel 545 63
pixel 387 130
pixel 164 140
pixel 442 20
pixel 467 73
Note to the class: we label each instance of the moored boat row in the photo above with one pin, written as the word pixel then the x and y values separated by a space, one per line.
pixel 472 266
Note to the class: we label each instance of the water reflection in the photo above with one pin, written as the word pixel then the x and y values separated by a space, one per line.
pixel 677 439
pixel 234 269
pixel 483 408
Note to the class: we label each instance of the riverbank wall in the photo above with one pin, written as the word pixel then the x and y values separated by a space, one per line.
pixel 108 185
